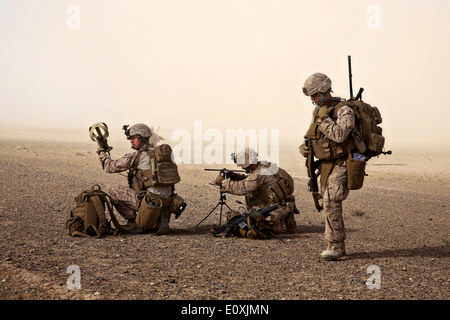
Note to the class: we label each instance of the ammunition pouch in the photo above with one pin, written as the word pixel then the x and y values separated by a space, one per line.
pixel 278 191
pixel 355 171
pixel 177 205
pixel 149 210
pixel 281 190
pixel 324 148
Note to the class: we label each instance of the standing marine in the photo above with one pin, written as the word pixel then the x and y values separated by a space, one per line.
pixel 327 137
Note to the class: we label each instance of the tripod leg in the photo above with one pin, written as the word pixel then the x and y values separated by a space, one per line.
pixel 208 215
pixel 221 209
pixel 220 217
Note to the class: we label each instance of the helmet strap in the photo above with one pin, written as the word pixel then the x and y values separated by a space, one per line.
pixel 323 97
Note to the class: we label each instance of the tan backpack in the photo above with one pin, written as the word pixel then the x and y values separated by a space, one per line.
pixel 88 218
pixel 163 171
pixel 367 137
pixel 367 129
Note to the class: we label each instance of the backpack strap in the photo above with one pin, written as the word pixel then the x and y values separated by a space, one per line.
pixel 101 215
pixel 81 234
pixel 73 225
pixel 113 217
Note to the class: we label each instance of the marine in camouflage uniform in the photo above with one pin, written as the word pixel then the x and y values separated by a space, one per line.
pixel 336 126
pixel 123 197
pixel 255 187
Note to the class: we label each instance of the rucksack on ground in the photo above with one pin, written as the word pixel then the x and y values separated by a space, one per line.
pixel 88 218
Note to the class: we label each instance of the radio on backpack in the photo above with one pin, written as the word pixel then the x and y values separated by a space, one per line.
pixel 367 135
pixel 368 140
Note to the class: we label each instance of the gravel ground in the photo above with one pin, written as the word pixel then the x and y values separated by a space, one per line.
pixel 396 225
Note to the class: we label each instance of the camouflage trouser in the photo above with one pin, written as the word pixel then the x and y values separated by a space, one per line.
pixel 124 199
pixel 282 218
pixel 334 193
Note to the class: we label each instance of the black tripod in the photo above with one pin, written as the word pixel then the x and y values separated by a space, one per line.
pixel 221 203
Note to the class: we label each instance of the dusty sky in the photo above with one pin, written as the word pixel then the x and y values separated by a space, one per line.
pixel 229 64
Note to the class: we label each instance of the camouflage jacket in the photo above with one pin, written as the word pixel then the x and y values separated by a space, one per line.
pixel 126 163
pixel 339 129
pixel 253 185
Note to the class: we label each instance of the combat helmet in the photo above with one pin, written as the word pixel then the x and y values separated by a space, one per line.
pixel 245 157
pixel 317 83
pixel 140 129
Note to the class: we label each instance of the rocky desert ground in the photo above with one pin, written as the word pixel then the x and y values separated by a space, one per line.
pixel 397 233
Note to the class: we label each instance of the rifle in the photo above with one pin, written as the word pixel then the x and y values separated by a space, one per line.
pixel 241 221
pixel 311 167
pixel 225 172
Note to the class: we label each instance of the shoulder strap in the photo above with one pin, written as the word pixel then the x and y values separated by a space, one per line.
pixel 113 217
pixel 101 215
pixel 136 160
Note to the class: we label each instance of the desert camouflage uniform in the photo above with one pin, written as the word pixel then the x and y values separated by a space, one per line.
pixel 257 180
pixel 335 190
pixel 124 198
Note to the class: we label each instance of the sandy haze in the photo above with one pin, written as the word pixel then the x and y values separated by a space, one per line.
pixel 398 222
pixel 228 65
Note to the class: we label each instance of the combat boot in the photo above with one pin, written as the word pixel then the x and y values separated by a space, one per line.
pixel 290 224
pixel 163 227
pixel 132 228
pixel 342 244
pixel 334 251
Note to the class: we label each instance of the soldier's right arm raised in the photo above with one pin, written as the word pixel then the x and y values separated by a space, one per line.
pixel 119 165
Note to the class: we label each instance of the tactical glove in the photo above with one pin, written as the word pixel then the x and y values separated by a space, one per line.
pixel 219 179
pixel 231 175
pixel 304 150
pixel 103 145
pixel 324 112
